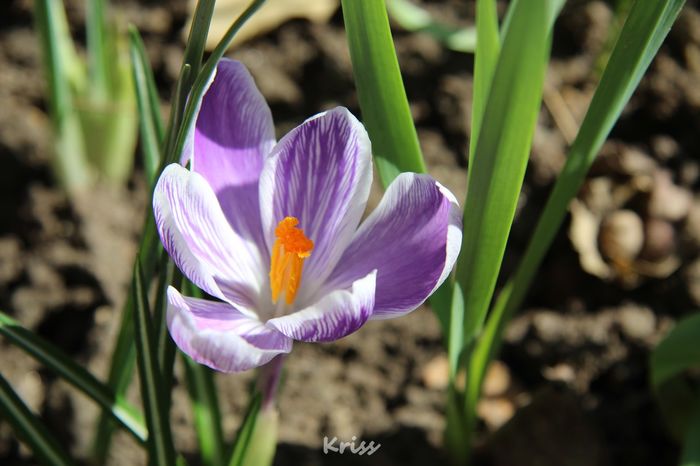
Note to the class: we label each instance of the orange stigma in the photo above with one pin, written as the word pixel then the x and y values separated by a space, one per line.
pixel 288 253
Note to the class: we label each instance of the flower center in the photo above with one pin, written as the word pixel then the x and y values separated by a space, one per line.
pixel 288 253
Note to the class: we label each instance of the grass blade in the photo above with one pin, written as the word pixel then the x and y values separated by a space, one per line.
pixel 122 364
pixel 640 38
pixel 27 426
pixel 207 416
pixel 245 432
pixel 160 444
pixel 205 403
pixel 500 158
pixel 150 121
pixel 485 59
pixel 63 70
pixel 98 66
pixel 197 39
pixel 202 80
pixel 191 65
pixel 123 357
pixel 53 358
pixel 385 110
pixel 690 455
pixel 677 352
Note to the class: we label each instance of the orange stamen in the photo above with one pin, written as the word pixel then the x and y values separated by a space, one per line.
pixel 288 253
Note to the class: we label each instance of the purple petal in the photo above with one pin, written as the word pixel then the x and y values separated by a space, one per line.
pixel 412 239
pixel 203 245
pixel 220 336
pixel 320 173
pixel 233 134
pixel 337 314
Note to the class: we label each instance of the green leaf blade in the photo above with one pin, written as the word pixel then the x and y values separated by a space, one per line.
pixel 150 121
pixel 385 110
pixel 640 39
pixel 677 352
pixel 161 449
pixel 500 158
pixel 43 444
pixel 245 432
pixel 207 416
pixel 53 358
pixel 485 59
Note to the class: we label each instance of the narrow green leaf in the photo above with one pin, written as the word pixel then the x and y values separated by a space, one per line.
pixel 678 352
pixel 123 357
pixel 122 364
pixel 98 61
pixel 448 303
pixel 197 39
pixel 33 432
pixel 63 73
pixel 500 158
pixel 485 59
pixel 165 346
pixel 690 455
pixel 161 450
pixel 154 101
pixel 54 359
pixel 383 102
pixel 205 403
pixel 150 123
pixel 203 78
pixel 177 114
pixel 207 416
pixel 245 432
pixel 120 374
pixel 640 38
pixel 191 65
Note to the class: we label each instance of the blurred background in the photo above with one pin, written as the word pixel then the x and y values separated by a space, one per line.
pixel 571 387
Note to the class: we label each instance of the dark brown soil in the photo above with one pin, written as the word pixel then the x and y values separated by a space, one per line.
pixel 572 386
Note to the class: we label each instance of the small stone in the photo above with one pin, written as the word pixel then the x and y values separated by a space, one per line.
pixel 659 239
pixel 637 323
pixel 668 201
pixel 497 379
pixel 549 326
pixel 436 373
pixel 621 235
pixel 495 411
pixel 665 147
pixel 561 372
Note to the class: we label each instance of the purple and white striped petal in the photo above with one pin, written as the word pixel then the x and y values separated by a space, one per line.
pixel 232 135
pixel 220 336
pixel 336 315
pixel 412 239
pixel 197 236
pixel 320 173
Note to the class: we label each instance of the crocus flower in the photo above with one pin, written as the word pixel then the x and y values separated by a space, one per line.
pixel 272 230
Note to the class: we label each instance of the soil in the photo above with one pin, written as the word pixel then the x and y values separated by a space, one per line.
pixel 571 385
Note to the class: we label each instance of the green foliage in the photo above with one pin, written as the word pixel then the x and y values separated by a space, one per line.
pixel 160 444
pixel 46 448
pixel 385 110
pixel 92 104
pixel 60 363
pixel 414 18
pixel 676 355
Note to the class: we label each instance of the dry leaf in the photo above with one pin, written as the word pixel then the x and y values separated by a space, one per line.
pixel 272 14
